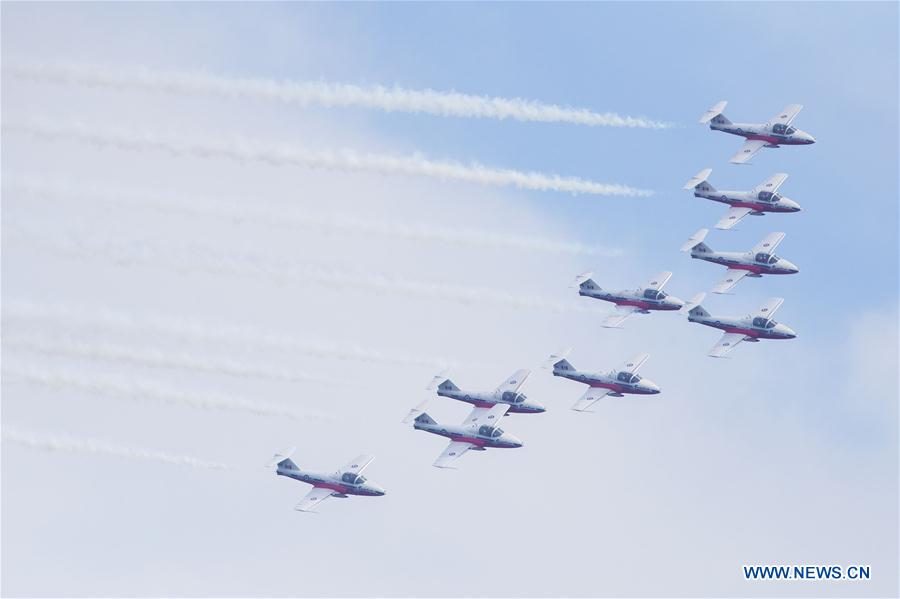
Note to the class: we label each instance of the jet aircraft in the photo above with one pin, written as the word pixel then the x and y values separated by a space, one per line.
pixel 477 432
pixel 777 132
pixel 759 261
pixel 749 328
pixel 507 393
pixel 631 301
pixel 343 483
pixel 615 383
pixel 761 199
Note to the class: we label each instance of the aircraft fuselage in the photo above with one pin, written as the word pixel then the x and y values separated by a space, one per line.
pixel 609 381
pixel 468 435
pixel 518 402
pixel 329 481
pixel 746 199
pixel 745 327
pixel 764 132
pixel 746 261
pixel 634 298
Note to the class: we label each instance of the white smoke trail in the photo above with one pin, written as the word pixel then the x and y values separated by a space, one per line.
pixel 180 328
pixel 71 445
pixel 150 358
pixel 203 259
pixel 143 391
pixel 304 93
pixel 247 212
pixel 340 160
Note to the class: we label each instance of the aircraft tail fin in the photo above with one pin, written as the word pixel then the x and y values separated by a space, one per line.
pixel 715 115
pixel 440 381
pixel 282 459
pixel 416 411
pixel 695 243
pixel 559 362
pixel 700 181
pixel 585 282
pixel 424 418
pixel 695 309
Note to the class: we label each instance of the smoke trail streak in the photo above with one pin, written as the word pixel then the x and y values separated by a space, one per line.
pixel 150 358
pixel 180 328
pixel 202 259
pixel 71 445
pixel 346 223
pixel 340 160
pixel 330 95
pixel 117 389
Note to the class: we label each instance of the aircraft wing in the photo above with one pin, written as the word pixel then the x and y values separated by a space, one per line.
pixel 659 281
pixel 732 217
pixel 768 309
pixel 726 343
pixel 516 380
pixel 634 363
pixel 590 397
pixel 621 314
pixel 750 147
pixel 492 415
pixel 313 499
pixel 732 277
pixel 786 115
pixel 453 452
pixel 772 183
pixel 768 244
pixel 358 464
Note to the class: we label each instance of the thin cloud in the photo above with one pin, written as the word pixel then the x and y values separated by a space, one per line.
pixel 329 95
pixel 208 332
pixel 198 258
pixel 291 218
pixel 346 160
pixel 152 358
pixel 66 444
pixel 146 391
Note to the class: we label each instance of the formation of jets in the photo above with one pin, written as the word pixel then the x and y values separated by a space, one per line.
pixel 481 431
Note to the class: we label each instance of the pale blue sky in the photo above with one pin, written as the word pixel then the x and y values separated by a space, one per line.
pixel 739 461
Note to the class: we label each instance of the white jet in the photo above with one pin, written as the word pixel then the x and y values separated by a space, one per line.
pixel 478 432
pixel 759 200
pixel 343 483
pixel 642 300
pixel 615 383
pixel 506 393
pixel 749 328
pixel 777 132
pixel 759 261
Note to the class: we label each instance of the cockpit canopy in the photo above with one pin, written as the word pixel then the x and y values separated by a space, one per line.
pixel 353 479
pixel 486 430
pixel 768 196
pixel 628 377
pixel 764 258
pixel 782 129
pixel 512 397
pixel 763 323
pixel 653 294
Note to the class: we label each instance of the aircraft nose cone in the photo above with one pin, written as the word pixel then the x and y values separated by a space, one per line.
pixel 515 442
pixel 378 490
pixel 791 204
pixel 538 408
pixel 790 333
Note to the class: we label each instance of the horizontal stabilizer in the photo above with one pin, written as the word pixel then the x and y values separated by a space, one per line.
pixel 696 239
pixel 438 379
pixel 281 456
pixel 694 302
pixel 416 411
pixel 713 112
pixel 554 358
pixel 585 276
pixel 698 178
